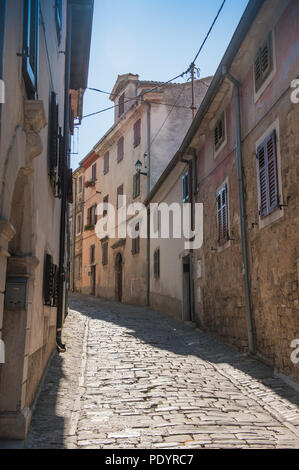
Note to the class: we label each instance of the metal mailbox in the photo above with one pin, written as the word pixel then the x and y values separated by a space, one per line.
pixel 15 293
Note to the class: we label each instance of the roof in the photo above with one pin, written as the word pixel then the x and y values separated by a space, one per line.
pixel 239 35
pixel 81 25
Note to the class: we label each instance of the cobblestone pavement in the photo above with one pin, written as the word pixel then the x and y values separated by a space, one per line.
pixel 136 378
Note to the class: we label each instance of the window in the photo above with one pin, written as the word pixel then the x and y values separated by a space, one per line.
pixel 58 18
pixel 136 185
pixel 156 220
pixel 219 132
pixel 222 215
pixel 30 47
pixel 92 250
pixel 157 263
pixel 263 62
pixel 136 241
pixel 120 149
pixel 121 105
pixel 105 204
pixel 105 253
pixel 137 133
pixel 91 215
pixel 186 184
pixel 120 192
pixel 267 175
pixel 79 224
pixel 80 184
pixel 106 163
pixel 94 172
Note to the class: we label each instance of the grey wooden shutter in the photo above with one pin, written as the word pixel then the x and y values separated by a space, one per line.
pixel 267 175
pixel 222 215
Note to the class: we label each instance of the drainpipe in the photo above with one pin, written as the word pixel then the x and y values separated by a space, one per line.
pixel 148 170
pixel 191 165
pixel 61 307
pixel 249 315
pixel 74 235
pixel 2 45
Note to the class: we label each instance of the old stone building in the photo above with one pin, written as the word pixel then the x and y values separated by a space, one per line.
pixel 245 136
pixel 36 121
pixel 150 121
pixel 76 230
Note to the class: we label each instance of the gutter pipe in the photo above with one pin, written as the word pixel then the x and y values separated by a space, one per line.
pixel 148 170
pixel 248 307
pixel 61 307
pixel 2 48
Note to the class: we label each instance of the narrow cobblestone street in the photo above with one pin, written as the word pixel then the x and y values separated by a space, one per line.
pixel 136 378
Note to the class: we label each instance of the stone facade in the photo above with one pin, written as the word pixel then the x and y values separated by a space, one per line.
pixel 76 217
pixel 269 120
pixel 31 199
pixel 164 115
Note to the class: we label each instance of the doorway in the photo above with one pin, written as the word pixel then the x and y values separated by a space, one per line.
pixel 93 280
pixel 188 307
pixel 118 277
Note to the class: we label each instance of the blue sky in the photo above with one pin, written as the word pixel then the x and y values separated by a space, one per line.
pixel 157 39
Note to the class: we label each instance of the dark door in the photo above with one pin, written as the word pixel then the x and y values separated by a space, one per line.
pixel 118 277
pixel 93 280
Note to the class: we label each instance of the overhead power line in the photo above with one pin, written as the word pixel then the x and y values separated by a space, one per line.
pixel 164 83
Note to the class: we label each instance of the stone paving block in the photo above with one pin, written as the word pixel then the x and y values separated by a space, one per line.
pixel 149 381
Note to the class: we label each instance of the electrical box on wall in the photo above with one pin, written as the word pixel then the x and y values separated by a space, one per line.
pixel 15 293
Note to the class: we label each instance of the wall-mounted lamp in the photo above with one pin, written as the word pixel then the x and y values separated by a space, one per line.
pixel 138 166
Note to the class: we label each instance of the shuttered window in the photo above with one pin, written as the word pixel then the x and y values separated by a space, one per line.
pixel 92 254
pixel 263 62
pixel 222 215
pixel 106 163
pixel 267 175
pixel 136 185
pixel 136 242
pixel 30 47
pixel 121 105
pixel 186 185
pixel 50 281
pixel 120 149
pixel 137 133
pixel 219 132
pixel 105 204
pixel 105 254
pixel 91 215
pixel 94 172
pixel 120 192
pixel 157 263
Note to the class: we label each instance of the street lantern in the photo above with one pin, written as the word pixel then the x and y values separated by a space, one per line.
pixel 138 166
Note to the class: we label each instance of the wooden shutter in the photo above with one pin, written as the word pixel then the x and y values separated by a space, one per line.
pixel 219 132
pixel 94 172
pixel 120 192
pixel 69 195
pixel 263 62
pixel 120 149
pixel 137 133
pixel 106 163
pixel 136 185
pixel 105 202
pixel 105 254
pixel 50 282
pixel 121 105
pixel 267 175
pixel 53 133
pixel 222 215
